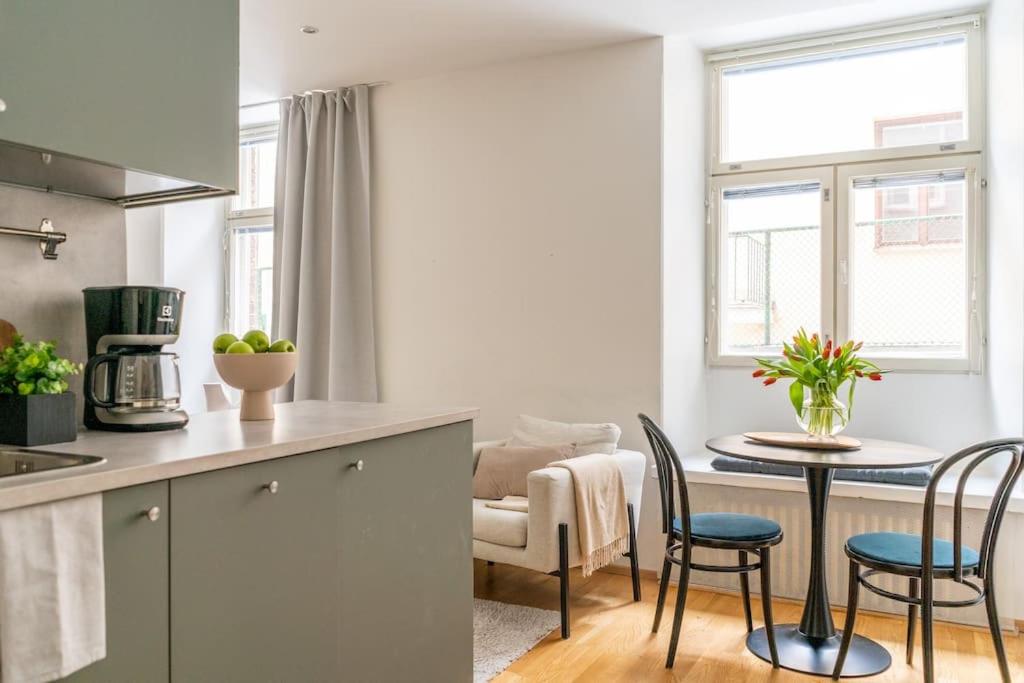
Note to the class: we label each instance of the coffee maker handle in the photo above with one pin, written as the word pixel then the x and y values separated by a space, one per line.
pixel 87 380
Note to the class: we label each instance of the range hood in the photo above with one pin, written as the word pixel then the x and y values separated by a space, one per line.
pixel 38 169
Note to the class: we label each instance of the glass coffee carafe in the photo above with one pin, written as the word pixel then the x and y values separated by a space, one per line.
pixel 134 382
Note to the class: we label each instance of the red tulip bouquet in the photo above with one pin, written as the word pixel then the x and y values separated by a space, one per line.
pixel 818 371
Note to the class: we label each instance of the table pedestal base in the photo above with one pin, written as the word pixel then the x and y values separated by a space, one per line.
pixel 817 656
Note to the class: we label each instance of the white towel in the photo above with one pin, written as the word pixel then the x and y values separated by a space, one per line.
pixel 52 603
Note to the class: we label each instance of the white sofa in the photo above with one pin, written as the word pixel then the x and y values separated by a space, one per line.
pixel 546 538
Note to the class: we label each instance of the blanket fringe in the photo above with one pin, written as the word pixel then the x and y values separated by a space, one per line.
pixel 604 556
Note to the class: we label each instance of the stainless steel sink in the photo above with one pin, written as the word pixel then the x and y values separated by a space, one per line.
pixel 15 461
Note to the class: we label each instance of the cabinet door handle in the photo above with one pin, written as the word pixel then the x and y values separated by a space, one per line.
pixel 358 465
pixel 271 487
pixel 3 106
pixel 152 514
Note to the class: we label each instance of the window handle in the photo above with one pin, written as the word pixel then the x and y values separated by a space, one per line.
pixel 843 272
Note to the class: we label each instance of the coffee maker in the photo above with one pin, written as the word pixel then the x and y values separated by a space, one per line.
pixel 131 384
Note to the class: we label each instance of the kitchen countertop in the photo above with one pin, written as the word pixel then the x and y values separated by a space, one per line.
pixel 213 441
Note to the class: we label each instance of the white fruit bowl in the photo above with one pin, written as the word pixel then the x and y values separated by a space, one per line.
pixel 257 375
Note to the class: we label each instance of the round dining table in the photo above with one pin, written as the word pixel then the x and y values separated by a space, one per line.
pixel 812 645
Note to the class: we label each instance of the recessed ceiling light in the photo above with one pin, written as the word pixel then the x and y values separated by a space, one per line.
pixel 309 30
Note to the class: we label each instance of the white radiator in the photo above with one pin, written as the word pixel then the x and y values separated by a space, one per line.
pixel 846 517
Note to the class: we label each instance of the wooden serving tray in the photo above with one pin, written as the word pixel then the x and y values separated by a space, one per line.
pixel 794 440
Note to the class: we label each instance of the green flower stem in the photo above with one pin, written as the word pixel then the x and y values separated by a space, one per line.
pixel 823 413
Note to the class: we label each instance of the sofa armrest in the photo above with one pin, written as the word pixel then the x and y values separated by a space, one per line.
pixel 552 502
pixel 480 445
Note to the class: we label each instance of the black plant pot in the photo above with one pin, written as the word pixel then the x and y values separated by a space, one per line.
pixel 38 419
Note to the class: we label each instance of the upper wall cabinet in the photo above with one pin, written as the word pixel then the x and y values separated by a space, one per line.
pixel 134 102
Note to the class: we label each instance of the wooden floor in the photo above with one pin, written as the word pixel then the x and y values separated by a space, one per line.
pixel 612 639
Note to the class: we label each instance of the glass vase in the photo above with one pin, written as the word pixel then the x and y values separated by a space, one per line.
pixel 823 416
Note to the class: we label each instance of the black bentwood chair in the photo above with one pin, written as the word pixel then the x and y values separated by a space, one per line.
pixel 924 558
pixel 719 530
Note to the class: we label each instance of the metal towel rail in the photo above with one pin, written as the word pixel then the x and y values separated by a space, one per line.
pixel 47 236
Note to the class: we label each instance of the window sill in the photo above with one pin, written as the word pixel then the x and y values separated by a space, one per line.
pixel 699 471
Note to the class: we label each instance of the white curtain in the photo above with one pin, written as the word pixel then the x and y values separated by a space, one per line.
pixel 323 294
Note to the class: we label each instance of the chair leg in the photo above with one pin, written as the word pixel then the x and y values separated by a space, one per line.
pixel 634 564
pixel 666 575
pixel 766 604
pixel 563 575
pixel 927 641
pixel 677 618
pixel 912 619
pixel 745 591
pixel 851 618
pixel 993 625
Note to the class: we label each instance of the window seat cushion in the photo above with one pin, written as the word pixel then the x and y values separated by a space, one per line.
pixel 909 476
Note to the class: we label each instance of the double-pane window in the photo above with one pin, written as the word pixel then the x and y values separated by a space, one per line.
pixel 843 194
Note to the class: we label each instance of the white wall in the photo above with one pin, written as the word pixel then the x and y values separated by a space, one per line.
pixel 683 390
pixel 144 239
pixel 517 235
pixel 1005 64
pixel 180 245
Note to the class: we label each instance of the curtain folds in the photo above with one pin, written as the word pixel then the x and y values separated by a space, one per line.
pixel 323 292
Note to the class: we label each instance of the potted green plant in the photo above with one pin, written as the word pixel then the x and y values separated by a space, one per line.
pixel 818 371
pixel 35 404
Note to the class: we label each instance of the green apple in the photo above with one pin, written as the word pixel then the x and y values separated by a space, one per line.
pixel 223 341
pixel 240 347
pixel 258 340
pixel 282 346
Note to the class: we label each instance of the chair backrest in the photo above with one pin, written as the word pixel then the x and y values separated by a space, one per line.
pixel 976 454
pixel 667 461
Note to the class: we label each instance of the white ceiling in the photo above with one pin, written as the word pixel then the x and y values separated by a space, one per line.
pixel 363 41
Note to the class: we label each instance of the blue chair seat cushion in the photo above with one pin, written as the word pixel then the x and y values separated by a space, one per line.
pixel 729 526
pixel 905 549
pixel 908 476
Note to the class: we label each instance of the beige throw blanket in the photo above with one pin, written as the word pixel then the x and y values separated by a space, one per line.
pixel 601 515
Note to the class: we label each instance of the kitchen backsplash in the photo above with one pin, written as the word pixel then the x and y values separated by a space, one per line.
pixel 44 298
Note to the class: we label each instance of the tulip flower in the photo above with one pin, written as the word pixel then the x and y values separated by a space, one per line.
pixel 817 367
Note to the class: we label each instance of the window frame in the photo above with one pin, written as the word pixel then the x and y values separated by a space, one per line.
pixel 967 154
pixel 237 219
pixel 973 243
pixel 717 295
pixel 970 24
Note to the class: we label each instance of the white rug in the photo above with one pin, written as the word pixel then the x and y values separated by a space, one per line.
pixel 503 633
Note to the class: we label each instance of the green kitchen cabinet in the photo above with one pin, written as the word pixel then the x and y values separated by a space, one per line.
pixel 254 572
pixel 135 536
pixel 149 85
pixel 405 548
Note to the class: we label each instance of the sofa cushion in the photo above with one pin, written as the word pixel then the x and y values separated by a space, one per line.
pixel 502 470
pixel 589 438
pixel 905 549
pixel 501 527
pixel 908 476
